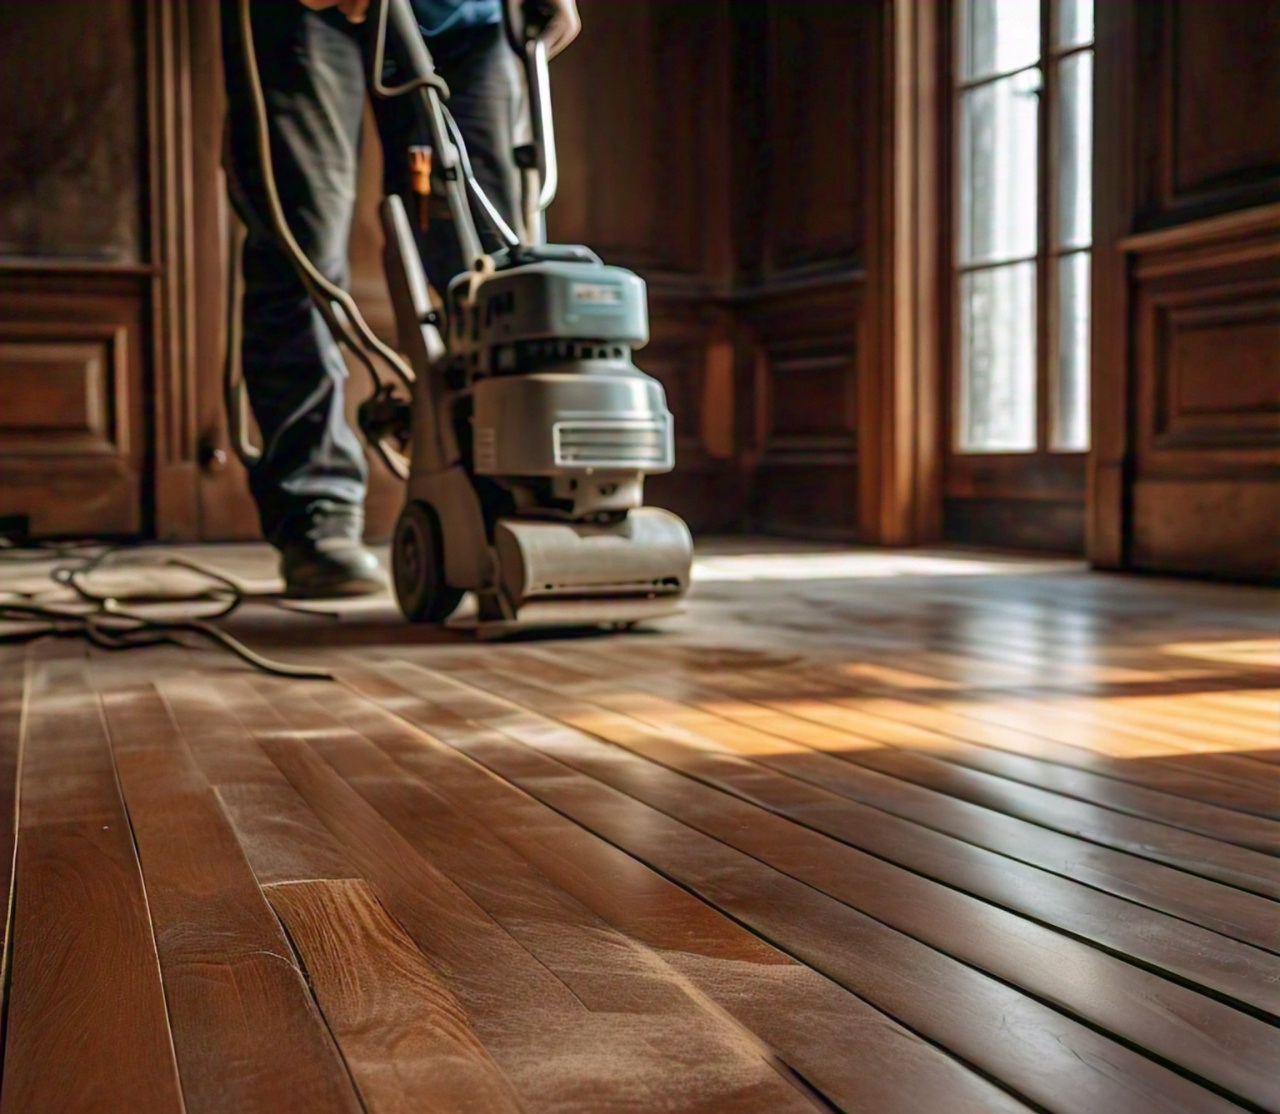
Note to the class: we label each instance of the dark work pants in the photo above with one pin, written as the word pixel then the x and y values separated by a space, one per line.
pixel 310 480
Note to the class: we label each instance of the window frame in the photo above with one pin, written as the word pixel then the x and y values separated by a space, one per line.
pixel 1043 458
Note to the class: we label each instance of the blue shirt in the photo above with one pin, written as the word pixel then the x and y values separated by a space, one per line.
pixel 438 16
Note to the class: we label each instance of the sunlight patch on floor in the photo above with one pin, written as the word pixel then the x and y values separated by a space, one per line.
pixel 1251 652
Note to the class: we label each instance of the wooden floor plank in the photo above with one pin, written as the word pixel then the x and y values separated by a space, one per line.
pixel 1180 778
pixel 1135 1006
pixel 1212 858
pixel 1075 722
pixel 1006 720
pixel 85 991
pixel 281 837
pixel 237 1001
pixel 883 714
pixel 402 1033
pixel 695 745
pixel 818 754
pixel 721 1065
pixel 544 1037
pixel 864 831
pixel 1041 1053
pixel 858 1058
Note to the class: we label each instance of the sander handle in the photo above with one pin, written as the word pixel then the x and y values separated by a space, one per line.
pixel 395 25
pixel 537 160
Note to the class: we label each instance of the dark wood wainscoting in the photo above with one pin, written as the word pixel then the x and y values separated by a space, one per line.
pixel 809 348
pixel 1186 475
pixel 73 425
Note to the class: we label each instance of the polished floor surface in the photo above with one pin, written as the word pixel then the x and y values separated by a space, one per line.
pixel 933 832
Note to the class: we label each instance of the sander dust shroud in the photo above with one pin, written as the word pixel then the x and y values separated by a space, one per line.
pixel 528 431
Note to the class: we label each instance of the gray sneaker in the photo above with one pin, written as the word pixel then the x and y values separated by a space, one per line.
pixel 330 568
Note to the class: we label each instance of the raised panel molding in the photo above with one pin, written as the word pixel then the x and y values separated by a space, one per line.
pixel 73 439
pixel 1207 355
pixel 59 388
pixel 812 398
pixel 1210 399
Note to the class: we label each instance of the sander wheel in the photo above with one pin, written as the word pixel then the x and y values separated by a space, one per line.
pixel 417 567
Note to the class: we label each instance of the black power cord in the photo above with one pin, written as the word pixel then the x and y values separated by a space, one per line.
pixel 112 623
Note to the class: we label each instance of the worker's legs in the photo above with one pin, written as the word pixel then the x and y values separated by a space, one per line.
pixel 487 98
pixel 310 482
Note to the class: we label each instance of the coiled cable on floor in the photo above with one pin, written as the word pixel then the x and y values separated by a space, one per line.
pixel 112 622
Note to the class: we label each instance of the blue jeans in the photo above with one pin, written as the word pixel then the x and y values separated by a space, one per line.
pixel 311 478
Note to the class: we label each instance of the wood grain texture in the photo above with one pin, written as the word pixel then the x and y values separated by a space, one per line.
pixel 404 1036
pixel 992 941
pixel 853 767
pixel 1183 476
pixel 1014 1038
pixel 828 1036
pixel 868 831
pixel 281 838
pixel 542 1034
pixel 85 976
pixel 237 1000
pixel 854 1055
pixel 698 744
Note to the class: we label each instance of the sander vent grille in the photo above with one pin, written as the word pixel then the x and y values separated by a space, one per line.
pixel 614 444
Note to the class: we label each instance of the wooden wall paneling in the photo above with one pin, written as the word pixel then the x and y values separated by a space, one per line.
pixel 71 97
pixel 74 281
pixel 1206 491
pixel 642 118
pixel 1216 95
pixel 694 354
pixel 806 480
pixel 1186 296
pixel 818 80
pixel 73 431
pixel 805 162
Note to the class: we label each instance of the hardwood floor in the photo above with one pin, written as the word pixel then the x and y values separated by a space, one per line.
pixel 863 831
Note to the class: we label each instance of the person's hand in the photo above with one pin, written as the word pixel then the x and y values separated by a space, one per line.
pixel 354 10
pixel 561 23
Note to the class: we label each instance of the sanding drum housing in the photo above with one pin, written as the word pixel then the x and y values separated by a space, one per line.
pixel 572 572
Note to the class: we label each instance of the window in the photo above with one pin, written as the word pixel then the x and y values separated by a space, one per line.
pixel 1024 112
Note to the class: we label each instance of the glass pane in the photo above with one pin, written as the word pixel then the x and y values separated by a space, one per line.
pixel 1074 213
pixel 998 360
pixel 999 138
pixel 1070 419
pixel 1072 23
pixel 998 36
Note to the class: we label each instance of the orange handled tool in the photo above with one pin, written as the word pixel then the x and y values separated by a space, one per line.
pixel 420 181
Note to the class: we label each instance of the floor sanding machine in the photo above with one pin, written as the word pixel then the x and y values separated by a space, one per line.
pixel 528 431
